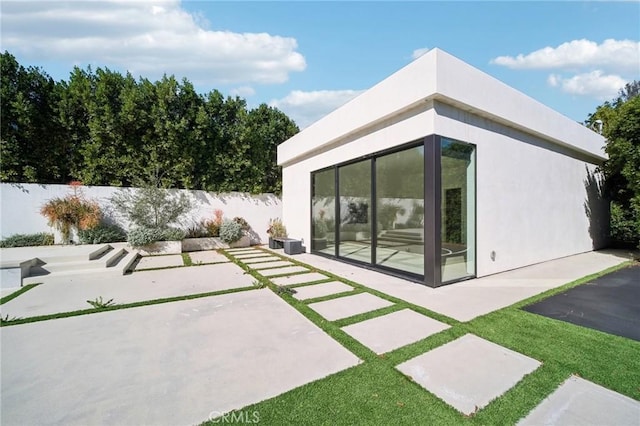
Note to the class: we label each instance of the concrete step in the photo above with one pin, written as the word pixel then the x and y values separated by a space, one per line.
pixel 116 261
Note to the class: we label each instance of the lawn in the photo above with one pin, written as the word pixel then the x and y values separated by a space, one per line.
pixel 376 393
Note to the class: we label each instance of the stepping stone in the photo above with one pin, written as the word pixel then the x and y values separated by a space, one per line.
pixel 151 262
pixel 274 264
pixel 581 402
pixel 392 331
pixel 209 256
pixel 241 250
pixel 282 271
pixel 349 306
pixel 251 255
pixel 468 372
pixel 320 290
pixel 260 259
pixel 299 279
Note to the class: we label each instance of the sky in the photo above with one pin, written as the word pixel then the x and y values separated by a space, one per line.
pixel 308 58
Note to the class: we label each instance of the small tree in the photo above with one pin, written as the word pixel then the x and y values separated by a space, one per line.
pixel 151 206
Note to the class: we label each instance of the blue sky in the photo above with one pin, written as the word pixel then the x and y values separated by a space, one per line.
pixel 307 58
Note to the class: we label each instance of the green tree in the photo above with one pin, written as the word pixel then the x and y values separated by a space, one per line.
pixel 620 120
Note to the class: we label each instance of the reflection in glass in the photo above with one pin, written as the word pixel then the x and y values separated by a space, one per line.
pixel 458 210
pixel 323 212
pixel 400 210
pixel 354 182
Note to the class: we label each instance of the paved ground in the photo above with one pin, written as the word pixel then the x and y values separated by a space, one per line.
pixel 166 364
pixel 488 293
pixel 71 293
pixel 181 362
pixel 610 303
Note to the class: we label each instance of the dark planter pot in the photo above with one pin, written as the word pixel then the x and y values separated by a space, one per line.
pixel 275 244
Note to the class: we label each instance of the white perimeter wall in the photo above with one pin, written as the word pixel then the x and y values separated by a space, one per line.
pixel 20 207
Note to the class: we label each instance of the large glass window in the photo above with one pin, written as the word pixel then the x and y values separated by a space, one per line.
pixel 354 182
pixel 323 208
pixel 457 210
pixel 409 211
pixel 400 210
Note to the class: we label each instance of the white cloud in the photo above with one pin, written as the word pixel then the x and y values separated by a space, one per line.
pixel 146 37
pixel 595 84
pixel 307 107
pixel 613 55
pixel 419 52
pixel 243 91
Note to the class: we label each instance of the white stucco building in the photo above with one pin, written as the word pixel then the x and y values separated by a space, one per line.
pixel 441 173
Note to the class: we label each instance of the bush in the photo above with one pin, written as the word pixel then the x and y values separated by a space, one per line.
pixel 71 211
pixel 151 207
pixel 242 222
pixel 102 233
pixel 143 236
pixel 624 227
pixel 276 228
pixel 27 240
pixel 230 231
pixel 197 230
pixel 212 228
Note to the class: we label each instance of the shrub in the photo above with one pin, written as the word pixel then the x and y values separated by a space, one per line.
pixel 102 233
pixel 276 228
pixel 151 207
pixel 230 231
pixel 71 211
pixel 242 222
pixel 27 240
pixel 143 236
pixel 197 230
pixel 624 227
pixel 212 228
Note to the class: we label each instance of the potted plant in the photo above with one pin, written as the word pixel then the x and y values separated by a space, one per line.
pixel 276 231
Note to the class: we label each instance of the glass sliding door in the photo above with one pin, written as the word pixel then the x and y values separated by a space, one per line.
pixel 323 211
pixel 354 206
pixel 400 210
pixel 457 210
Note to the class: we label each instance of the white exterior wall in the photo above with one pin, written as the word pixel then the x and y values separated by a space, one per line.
pixel 532 163
pixel 531 199
pixel 296 178
pixel 20 207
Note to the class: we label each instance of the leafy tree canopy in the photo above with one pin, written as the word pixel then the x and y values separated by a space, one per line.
pixel 105 128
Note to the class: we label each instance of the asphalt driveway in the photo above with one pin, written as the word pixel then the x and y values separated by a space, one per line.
pixel 610 303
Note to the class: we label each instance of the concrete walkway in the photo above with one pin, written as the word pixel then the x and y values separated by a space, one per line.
pixel 170 364
pixel 467 300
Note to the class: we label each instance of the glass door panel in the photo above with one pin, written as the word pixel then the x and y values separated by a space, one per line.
pixel 354 182
pixel 400 210
pixel 323 208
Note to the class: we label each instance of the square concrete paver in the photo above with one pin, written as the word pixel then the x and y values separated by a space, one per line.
pixel 253 260
pixel 209 256
pixel 251 255
pixel 349 306
pixel 281 271
pixel 394 330
pixel 468 372
pixel 168 364
pixel 299 279
pixel 274 264
pixel 320 290
pixel 151 262
pixel 581 402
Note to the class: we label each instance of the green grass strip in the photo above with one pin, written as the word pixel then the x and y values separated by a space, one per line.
pixel 17 293
pixel 186 259
pixel 122 306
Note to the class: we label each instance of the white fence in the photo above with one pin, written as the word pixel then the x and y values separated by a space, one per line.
pixel 20 207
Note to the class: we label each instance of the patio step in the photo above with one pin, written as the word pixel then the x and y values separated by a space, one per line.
pixel 117 261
